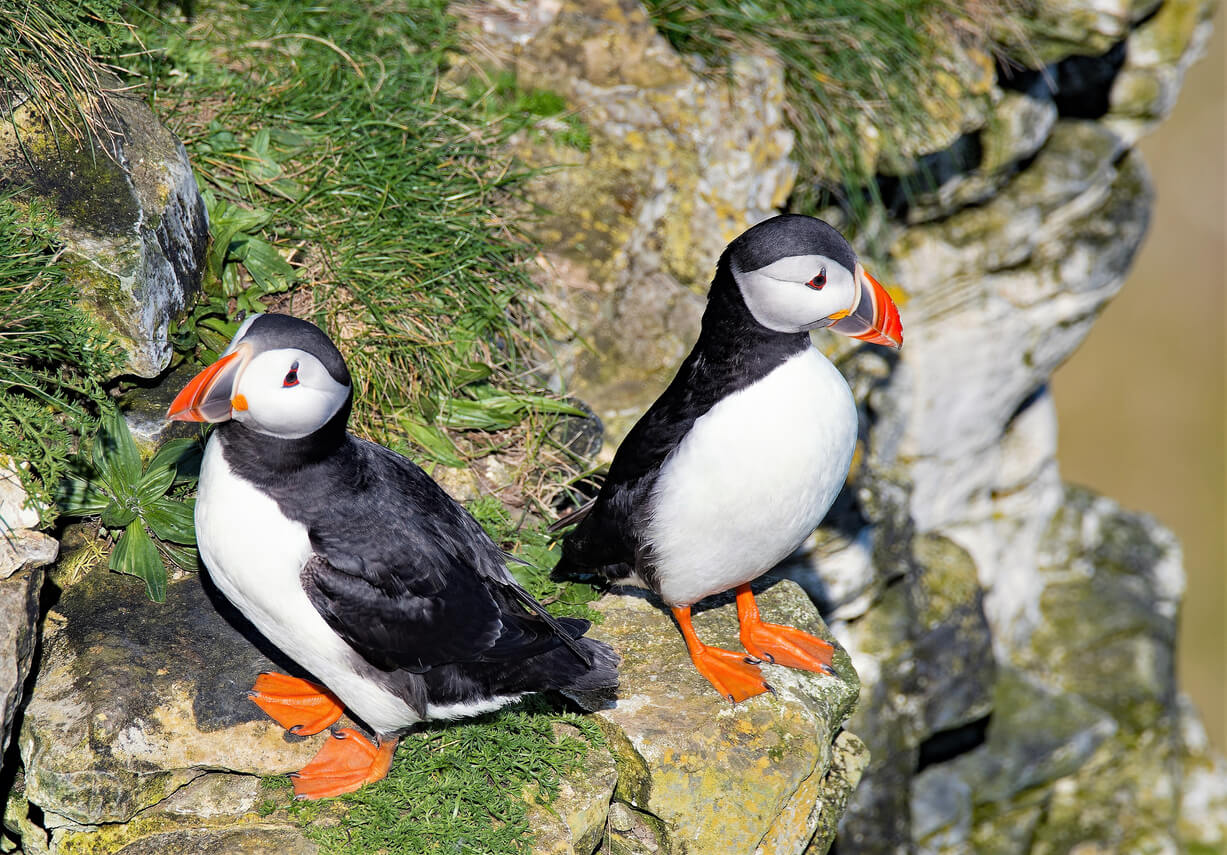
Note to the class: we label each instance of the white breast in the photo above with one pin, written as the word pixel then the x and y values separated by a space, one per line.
pixel 751 479
pixel 255 555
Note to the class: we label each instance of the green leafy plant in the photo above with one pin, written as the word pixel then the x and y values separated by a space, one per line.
pixel 154 526
pixel 241 269
pixel 53 356
pixel 538 552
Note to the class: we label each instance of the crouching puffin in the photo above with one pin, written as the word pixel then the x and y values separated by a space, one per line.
pixel 357 565
pixel 740 458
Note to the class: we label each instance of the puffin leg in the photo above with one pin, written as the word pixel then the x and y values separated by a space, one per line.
pixel 300 706
pixel 730 673
pixel 781 645
pixel 346 762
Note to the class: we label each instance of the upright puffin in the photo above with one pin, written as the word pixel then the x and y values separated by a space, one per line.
pixel 741 456
pixel 357 565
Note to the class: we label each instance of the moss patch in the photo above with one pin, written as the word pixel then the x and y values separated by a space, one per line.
pixel 458 787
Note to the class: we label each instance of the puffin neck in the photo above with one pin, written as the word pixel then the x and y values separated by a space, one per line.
pixel 730 332
pixel 259 454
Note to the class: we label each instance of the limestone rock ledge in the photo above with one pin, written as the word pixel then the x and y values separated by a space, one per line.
pixel 139 737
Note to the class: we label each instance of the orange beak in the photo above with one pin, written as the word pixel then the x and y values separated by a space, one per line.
pixel 207 397
pixel 874 317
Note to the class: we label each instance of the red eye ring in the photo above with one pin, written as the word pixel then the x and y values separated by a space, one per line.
pixel 291 377
pixel 819 281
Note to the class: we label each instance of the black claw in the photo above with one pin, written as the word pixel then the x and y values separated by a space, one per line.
pixel 732 700
pixel 296 729
pixel 294 775
pixel 769 688
pixel 829 670
pixel 750 660
pixel 770 659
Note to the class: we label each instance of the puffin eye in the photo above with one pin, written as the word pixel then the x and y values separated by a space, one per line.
pixel 291 376
pixel 818 281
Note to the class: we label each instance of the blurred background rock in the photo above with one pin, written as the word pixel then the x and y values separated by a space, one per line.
pixel 1141 404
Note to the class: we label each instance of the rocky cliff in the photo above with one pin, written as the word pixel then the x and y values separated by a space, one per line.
pixel 1013 636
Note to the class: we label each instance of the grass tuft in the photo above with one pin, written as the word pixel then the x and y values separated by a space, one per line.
pixel 49 53
pixel 850 68
pixel 51 354
pixel 373 181
pixel 462 787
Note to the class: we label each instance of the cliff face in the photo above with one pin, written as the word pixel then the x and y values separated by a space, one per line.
pixel 1014 636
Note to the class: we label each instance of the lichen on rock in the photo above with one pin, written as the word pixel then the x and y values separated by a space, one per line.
pixel 134 224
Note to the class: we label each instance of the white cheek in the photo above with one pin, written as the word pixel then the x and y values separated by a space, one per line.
pixel 791 307
pixel 289 413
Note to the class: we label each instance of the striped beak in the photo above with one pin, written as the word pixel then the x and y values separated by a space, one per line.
pixel 873 317
pixel 207 397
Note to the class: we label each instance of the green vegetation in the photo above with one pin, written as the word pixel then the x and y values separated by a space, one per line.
pixel 851 69
pixel 48 54
pixel 347 176
pixel 460 787
pixel 51 354
pixel 153 527
pixel 539 551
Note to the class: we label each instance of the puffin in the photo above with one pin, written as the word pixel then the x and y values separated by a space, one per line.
pixel 357 565
pixel 741 456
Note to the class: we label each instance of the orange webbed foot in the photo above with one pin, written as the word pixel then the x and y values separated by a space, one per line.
pixel 347 761
pixel 731 675
pixel 300 706
pixel 779 644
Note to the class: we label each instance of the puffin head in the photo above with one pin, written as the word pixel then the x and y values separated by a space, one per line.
pixel 797 273
pixel 280 376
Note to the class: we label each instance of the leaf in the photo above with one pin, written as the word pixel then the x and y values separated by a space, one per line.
pixel 172 520
pixel 173 453
pixel 81 496
pixel 185 557
pixel 270 272
pixel 433 441
pixel 135 555
pixel 154 484
pixel 115 454
pixel 117 515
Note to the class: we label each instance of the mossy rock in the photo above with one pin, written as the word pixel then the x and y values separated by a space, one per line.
pixel 134 225
pixel 718 777
pixel 135 699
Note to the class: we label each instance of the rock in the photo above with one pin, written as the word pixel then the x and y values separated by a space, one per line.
pixel 1202 818
pixel 17 510
pixel 134 224
pixel 19 597
pixel 135 701
pixel 575 822
pixel 703 775
pixel 1055 29
pixel 680 164
pixel 1161 49
pixel 139 738
pixel 23 549
pixel 848 761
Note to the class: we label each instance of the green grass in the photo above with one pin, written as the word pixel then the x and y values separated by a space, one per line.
pixel 51 353
pixel 847 64
pixel 373 178
pixel 49 53
pixel 458 788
